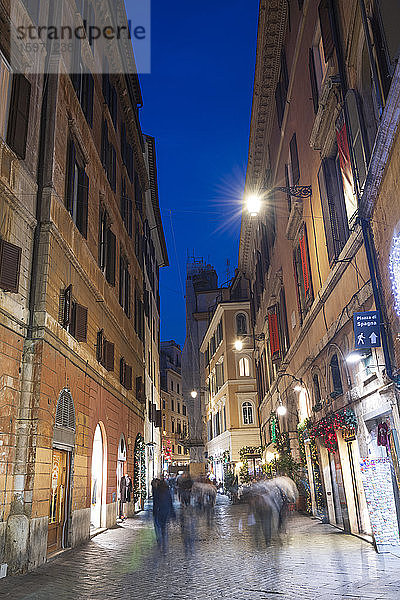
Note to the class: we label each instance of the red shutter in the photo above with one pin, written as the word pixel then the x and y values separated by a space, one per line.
pixel 80 323
pixel 10 261
pixel 273 334
pixel 304 263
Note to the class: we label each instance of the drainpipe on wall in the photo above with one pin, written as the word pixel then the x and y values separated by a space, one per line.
pixel 19 544
pixel 365 225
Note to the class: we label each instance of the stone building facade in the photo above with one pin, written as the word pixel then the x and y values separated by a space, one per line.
pixel 322 101
pixel 231 404
pixel 73 303
pixel 155 256
pixel 174 417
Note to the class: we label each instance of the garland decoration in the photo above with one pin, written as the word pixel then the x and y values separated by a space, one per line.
pixel 303 430
pixel 327 427
pixel 139 469
pixel 244 454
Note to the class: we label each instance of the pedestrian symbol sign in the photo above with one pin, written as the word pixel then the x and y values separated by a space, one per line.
pixel 367 329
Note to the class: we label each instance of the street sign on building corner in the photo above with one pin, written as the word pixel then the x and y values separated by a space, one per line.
pixel 367 329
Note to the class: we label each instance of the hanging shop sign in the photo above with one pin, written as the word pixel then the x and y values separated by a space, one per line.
pixel 367 329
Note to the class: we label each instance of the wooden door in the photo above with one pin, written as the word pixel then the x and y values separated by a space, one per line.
pixel 58 501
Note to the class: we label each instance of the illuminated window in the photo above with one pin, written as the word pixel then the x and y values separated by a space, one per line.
pixel 244 367
pixel 247 413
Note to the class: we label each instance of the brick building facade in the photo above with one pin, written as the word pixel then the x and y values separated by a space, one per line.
pixel 72 303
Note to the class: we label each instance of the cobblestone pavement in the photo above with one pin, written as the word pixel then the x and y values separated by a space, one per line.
pixel 312 561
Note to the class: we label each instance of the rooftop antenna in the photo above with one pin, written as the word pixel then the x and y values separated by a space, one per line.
pixel 228 271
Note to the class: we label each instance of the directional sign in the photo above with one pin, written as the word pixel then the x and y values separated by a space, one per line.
pixel 367 329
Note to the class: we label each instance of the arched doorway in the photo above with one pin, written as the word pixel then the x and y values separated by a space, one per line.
pixel 139 473
pixel 97 483
pixel 121 470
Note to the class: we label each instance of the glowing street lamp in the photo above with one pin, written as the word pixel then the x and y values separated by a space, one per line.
pixel 281 410
pixel 253 204
pixel 238 345
pixel 193 393
pixel 353 358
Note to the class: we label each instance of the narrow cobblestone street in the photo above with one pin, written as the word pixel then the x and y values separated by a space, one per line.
pixel 313 561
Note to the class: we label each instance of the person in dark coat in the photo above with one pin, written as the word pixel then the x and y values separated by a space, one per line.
pixel 163 511
pixel 125 489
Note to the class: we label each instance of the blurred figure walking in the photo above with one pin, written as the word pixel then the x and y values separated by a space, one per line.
pixel 184 485
pixel 163 511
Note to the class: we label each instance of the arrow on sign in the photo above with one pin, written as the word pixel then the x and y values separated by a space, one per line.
pixel 373 337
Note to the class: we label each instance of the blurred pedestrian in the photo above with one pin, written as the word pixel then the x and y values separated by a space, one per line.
pixel 184 486
pixel 163 511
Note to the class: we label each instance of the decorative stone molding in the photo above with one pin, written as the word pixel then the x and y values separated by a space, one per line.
pixel 329 107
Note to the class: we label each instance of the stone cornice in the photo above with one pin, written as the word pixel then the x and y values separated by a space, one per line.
pixel 271 30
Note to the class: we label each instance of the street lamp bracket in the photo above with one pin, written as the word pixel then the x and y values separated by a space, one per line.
pixel 298 191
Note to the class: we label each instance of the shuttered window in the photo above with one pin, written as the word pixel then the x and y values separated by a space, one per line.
pixel 313 79
pixel 77 189
pixel 333 207
pixel 125 286
pixel 386 20
pixel 294 160
pixel 108 355
pixel 125 374
pixel 358 137
pixel 73 315
pixel 274 333
pixel 324 11
pixel 108 157
pixel 110 257
pixel 301 262
pixel 81 313
pixel 104 351
pixel 139 388
pixel 19 115
pixel 138 195
pixel 10 263
pixel 5 90
pixel 65 411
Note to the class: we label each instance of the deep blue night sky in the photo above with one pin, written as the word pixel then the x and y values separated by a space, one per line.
pixel 197 104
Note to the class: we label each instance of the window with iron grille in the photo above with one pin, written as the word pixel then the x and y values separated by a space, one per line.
pixel 65 411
